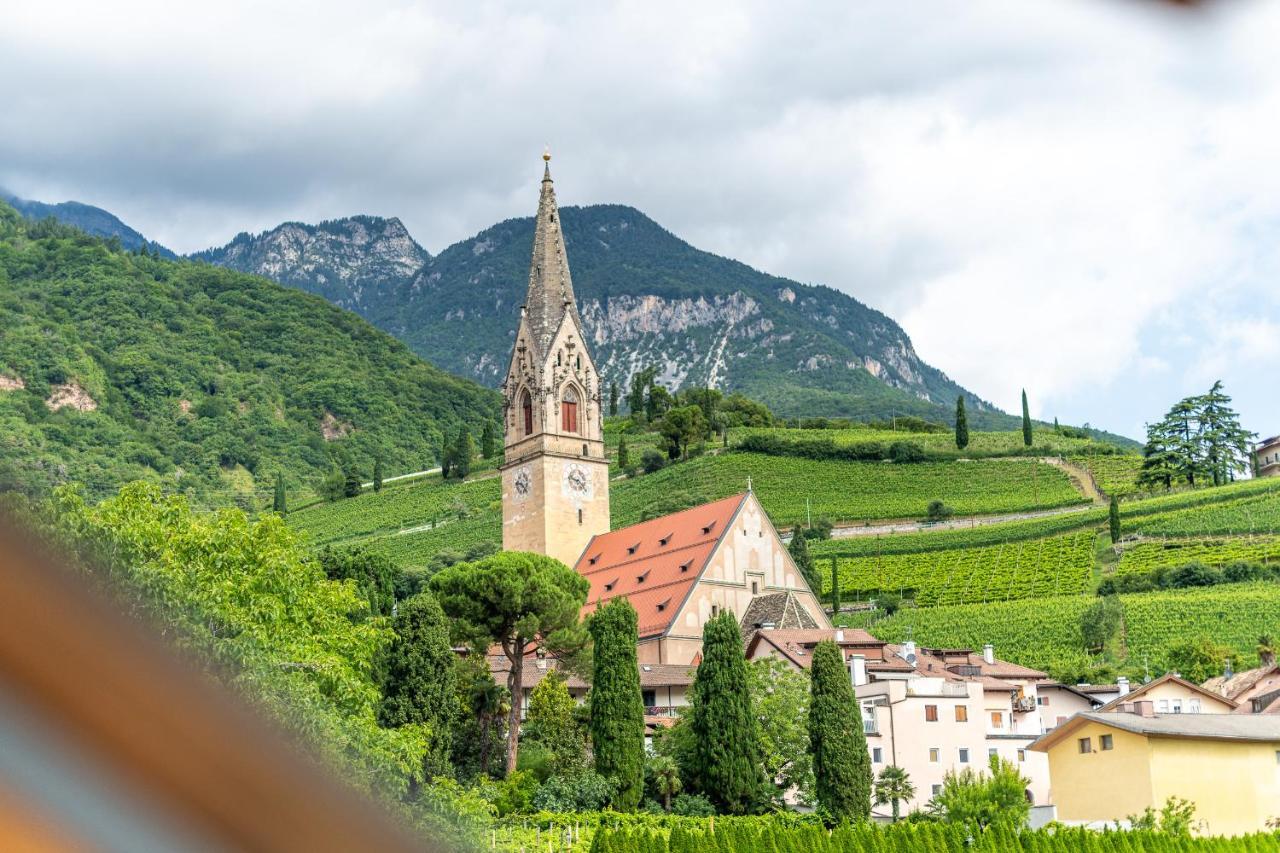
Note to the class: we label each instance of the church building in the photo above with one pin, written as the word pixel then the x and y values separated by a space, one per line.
pixel 679 570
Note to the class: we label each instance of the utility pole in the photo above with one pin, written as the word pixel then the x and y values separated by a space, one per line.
pixel 808 514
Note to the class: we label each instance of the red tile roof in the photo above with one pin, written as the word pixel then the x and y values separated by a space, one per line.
pixel 655 563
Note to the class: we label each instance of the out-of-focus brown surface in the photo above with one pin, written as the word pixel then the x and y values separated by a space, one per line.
pixel 125 701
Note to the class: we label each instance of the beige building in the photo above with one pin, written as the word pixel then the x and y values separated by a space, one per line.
pixel 1268 455
pixel 1255 691
pixel 555 478
pixel 1172 694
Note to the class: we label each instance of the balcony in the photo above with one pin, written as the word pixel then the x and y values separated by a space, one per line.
pixel 1023 704
pixel 943 690
pixel 661 711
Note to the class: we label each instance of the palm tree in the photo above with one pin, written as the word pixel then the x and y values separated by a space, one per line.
pixel 1266 650
pixel 666 778
pixel 892 786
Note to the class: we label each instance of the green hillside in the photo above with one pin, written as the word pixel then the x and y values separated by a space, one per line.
pixel 117 366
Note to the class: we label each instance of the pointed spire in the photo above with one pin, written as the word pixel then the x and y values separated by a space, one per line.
pixel 550 292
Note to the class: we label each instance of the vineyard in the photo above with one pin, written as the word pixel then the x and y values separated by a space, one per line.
pixel 1148 556
pixel 849 490
pixel 1045 633
pixel 1257 514
pixel 1115 474
pixel 1059 565
pixel 1045 441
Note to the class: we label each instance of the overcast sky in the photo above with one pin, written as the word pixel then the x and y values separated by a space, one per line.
pixel 1078 196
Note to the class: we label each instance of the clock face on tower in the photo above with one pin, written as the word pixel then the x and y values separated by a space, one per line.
pixel 577 481
pixel 523 483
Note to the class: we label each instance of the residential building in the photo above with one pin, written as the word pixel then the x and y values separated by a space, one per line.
pixel 1173 694
pixel 1255 691
pixel 1108 766
pixel 1060 702
pixel 1268 455
pixel 679 570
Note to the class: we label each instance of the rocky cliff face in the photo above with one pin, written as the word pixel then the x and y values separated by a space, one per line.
pixel 646 297
pixel 352 262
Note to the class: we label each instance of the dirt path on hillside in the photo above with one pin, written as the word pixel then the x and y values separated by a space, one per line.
pixel 1080 478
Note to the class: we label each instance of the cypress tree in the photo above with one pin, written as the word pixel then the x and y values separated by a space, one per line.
pixel 488 440
pixel 418 686
pixel 617 709
pixel 1026 420
pixel 622 453
pixel 799 549
pixel 278 504
pixel 835 587
pixel 613 399
pixel 725 761
pixel 1113 518
pixel 463 450
pixel 377 474
pixel 841 763
pixel 962 424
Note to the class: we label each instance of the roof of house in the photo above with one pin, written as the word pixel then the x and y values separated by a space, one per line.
pixel 1078 690
pixel 655 563
pixel 1235 727
pixel 1167 678
pixel 1240 683
pixel 796 645
pixel 652 675
pixel 778 609
pixel 947 663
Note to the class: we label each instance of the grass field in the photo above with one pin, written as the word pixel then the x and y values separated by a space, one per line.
pixel 1045 632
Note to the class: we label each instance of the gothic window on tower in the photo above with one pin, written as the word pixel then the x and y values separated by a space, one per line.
pixel 569 411
pixel 526 407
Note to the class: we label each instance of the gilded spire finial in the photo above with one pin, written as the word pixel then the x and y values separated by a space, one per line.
pixel 546 153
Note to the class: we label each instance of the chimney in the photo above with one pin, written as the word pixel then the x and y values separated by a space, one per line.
pixel 1227 671
pixel 989 653
pixel 541 658
pixel 766 626
pixel 909 649
pixel 1122 683
pixel 858 669
pixel 1144 708
pixel 839 636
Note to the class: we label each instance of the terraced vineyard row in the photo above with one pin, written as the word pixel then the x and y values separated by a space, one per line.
pixel 1148 556
pixel 1045 632
pixel 1257 515
pixel 1010 441
pixel 849 490
pixel 1115 475
pixel 1056 565
pixel 414 504
pixel 945 539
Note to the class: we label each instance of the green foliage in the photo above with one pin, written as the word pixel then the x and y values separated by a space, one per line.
pixel 1199 438
pixel 680 427
pixel 1174 818
pixel 624 462
pixel 962 425
pixel 983 800
pixel 1200 658
pixel 892 787
pixel 799 550
pixel 351 485
pixel 1113 519
pixel 1100 623
pixel 1026 420
pixel 652 461
pixel 279 503
pixel 613 399
pixel 488 440
pixel 581 792
pixel 617 709
pixel 840 757
pixel 200 376
pixel 374 575
pixel 459 455
pixel 938 511
pixel 725 762
pixel 514 599
pixel 552 725
pixel 479 729
pixel 419 687
pixel 662 778
pixel 377 474
pixel 780 697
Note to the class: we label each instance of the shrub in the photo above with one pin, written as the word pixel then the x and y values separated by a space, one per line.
pixel 1192 574
pixel 938 511
pixel 904 452
pixel 652 461
pixel 692 805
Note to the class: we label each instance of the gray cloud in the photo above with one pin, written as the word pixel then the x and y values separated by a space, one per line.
pixel 1041 192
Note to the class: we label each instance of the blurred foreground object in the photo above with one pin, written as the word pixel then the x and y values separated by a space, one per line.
pixel 110 741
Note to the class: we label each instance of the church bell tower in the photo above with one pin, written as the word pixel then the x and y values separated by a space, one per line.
pixel 555 478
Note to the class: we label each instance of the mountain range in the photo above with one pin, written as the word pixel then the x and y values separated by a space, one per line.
pixel 646 297
pixel 89 219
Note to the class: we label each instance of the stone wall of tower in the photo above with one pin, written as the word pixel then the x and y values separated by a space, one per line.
pixel 555 477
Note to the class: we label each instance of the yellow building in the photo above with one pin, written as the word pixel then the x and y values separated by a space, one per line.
pixel 1104 767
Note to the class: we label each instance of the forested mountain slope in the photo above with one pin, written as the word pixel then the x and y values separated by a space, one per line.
pixel 117 366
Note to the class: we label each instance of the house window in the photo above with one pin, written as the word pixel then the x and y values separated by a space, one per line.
pixel 579 516
pixel 934 754
pixel 526 408
pixel 1085 744
pixel 569 411
pixel 964 756
pixel 997 719
pixel 1163 707
pixel 715 610
pixel 962 713
pixel 1022 755
pixel 1105 742
pixel 755 588
pixel 1177 706
pixel 931 713
pixel 1193 706
pixel 992 752
pixel 937 789
pixel 1042 701
pixel 648 698
pixel 877 754
pixel 1278 756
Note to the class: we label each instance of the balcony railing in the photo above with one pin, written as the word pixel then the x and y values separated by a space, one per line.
pixel 1023 704
pixel 947 689
pixel 662 711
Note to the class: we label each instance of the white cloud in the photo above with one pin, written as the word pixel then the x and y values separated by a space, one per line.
pixel 1077 198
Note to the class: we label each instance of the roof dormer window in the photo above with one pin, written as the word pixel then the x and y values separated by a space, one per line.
pixel 707 529
pixel 684 567
pixel 633 548
pixel 591 561
pixel 640 578
pixel 662 605
pixel 609 586
pixel 665 539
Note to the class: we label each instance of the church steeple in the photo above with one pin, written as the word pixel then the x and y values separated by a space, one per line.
pixel 550 293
